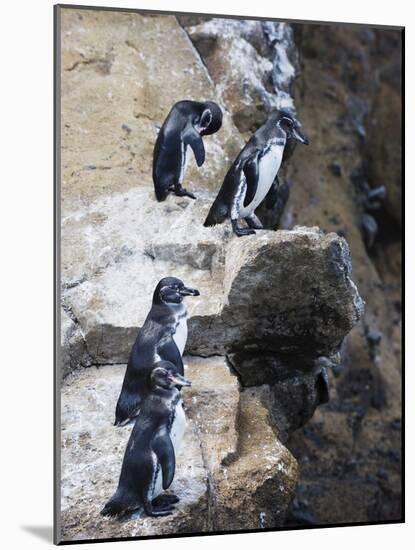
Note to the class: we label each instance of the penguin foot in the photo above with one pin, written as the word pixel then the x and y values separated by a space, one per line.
pixel 161 511
pixel 182 192
pixel 165 500
pixel 253 222
pixel 241 231
pixel 115 509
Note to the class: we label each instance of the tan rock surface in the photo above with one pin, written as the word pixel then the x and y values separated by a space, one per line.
pixel 120 78
pixel 253 478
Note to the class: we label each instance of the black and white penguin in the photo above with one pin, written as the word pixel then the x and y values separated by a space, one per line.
pixel 149 461
pixel 185 125
pixel 252 175
pixel 162 337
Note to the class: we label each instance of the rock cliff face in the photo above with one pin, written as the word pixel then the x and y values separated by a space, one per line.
pixel 221 479
pixel 266 337
pixel 346 89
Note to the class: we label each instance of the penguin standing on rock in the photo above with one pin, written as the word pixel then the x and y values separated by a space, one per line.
pixel 150 457
pixel 253 175
pixel 184 126
pixel 162 337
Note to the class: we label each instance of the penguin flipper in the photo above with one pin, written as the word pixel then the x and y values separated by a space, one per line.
pixel 163 447
pixel 250 169
pixel 127 407
pixel 217 213
pixel 170 352
pixel 191 136
pixel 272 195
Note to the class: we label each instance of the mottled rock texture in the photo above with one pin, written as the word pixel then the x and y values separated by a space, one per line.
pixel 347 94
pixel 252 476
pixel 91 458
pixel 278 305
pixel 73 347
pixel 120 77
pixel 252 64
pixel 232 473
pixel 341 110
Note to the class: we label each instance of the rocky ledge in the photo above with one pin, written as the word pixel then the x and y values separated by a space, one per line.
pixel 232 472
pixel 275 304
pixel 273 311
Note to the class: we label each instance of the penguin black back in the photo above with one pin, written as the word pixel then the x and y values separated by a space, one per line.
pixel 155 341
pixel 185 125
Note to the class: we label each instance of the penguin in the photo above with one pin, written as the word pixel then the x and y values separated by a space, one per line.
pixel 163 336
pixel 253 175
pixel 149 461
pixel 185 125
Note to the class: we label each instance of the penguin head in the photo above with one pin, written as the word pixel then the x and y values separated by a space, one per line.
pixel 171 290
pixel 164 375
pixel 210 119
pixel 288 124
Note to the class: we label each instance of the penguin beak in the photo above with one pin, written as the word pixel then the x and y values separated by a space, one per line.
pixel 299 136
pixel 185 291
pixel 179 380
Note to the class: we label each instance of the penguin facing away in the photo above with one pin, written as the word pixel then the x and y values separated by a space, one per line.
pixel 162 337
pixel 149 461
pixel 253 175
pixel 185 125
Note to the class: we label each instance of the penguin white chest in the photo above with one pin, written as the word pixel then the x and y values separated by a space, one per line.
pixel 176 435
pixel 178 426
pixel 184 162
pixel 180 336
pixel 268 167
